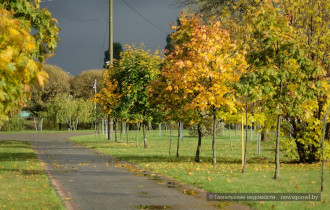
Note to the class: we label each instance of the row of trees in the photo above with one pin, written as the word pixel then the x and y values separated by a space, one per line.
pixel 64 99
pixel 255 58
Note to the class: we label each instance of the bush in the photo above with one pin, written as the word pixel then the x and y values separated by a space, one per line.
pixel 14 124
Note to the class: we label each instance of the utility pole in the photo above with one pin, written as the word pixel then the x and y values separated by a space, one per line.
pixel 110 121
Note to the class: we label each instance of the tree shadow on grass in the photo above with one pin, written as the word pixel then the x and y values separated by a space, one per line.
pixel 19 156
pixel 9 148
pixel 190 159
pixel 23 171
pixel 14 144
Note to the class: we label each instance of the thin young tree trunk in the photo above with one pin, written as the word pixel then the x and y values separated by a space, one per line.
pixel 246 137
pixel 102 126
pixel 70 120
pixel 231 141
pixel 197 159
pixel 258 140
pixel 107 128
pixel 110 128
pixel 137 133
pixel 160 129
pixel 214 160
pixel 277 151
pixel 144 136
pixel 323 137
pixel 77 122
pixel 116 125
pixel 235 130
pixel 41 123
pixel 169 150
pixel 251 133
pixel 229 126
pixel 127 129
pixel 181 130
pixel 35 123
pixel 121 131
pixel 123 127
pixel 150 126
pixel 178 144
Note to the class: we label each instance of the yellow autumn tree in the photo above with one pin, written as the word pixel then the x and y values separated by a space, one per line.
pixel 18 69
pixel 199 72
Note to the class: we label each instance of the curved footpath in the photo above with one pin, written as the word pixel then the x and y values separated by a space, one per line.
pixel 84 179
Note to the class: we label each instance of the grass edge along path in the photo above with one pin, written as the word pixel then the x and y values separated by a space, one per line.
pixel 24 184
pixel 226 176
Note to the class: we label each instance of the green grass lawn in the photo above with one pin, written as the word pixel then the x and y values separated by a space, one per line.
pixel 49 131
pixel 23 183
pixel 226 176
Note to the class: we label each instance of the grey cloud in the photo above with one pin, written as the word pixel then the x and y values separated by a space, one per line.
pixel 84 34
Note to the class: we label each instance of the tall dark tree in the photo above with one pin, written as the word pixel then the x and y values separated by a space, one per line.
pixel 169 42
pixel 117 49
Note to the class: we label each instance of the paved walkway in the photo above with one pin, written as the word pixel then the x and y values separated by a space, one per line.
pixel 87 180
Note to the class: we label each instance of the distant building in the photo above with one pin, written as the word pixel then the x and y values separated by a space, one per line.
pixel 24 114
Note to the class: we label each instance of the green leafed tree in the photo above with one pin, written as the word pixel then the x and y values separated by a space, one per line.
pixel 127 81
pixel 42 25
pixel 82 85
pixel 280 68
pixel 58 84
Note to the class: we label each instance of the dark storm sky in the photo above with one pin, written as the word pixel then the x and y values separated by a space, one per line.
pixel 84 24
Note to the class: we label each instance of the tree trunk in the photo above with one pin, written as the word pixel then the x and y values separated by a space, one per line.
pixel 150 126
pixel 251 133
pixel 110 129
pixel 214 159
pixel 116 125
pixel 59 126
pixel 127 130
pixel 77 122
pixel 197 159
pixel 102 125
pixel 123 127
pixel 160 129
pixel 107 128
pixel 70 125
pixel 178 144
pixel 121 132
pixel 169 150
pixel 35 123
pixel 181 130
pixel 258 141
pixel 229 126
pixel 41 123
pixel 231 141
pixel 144 136
pixel 246 137
pixel 323 154
pixel 277 151
pixel 137 133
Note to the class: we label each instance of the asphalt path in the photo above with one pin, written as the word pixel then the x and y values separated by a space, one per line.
pixel 86 179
